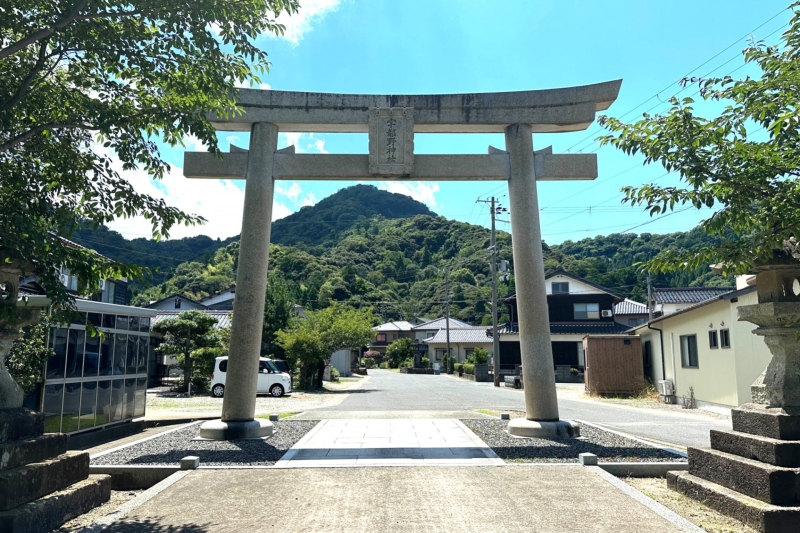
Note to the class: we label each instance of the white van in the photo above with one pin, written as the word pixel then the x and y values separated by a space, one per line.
pixel 270 380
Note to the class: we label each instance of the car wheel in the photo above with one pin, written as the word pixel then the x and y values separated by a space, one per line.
pixel 218 390
pixel 276 391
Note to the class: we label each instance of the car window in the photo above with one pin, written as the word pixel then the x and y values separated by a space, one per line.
pixel 272 366
pixel 223 365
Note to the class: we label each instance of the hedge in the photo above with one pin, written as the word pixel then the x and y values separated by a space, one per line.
pixel 469 369
pixel 458 368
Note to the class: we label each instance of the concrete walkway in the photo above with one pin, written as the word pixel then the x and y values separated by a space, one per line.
pixel 557 499
pixel 393 442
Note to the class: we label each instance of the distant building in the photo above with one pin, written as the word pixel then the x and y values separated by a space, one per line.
pixel 630 313
pixel 221 300
pixel 463 341
pixel 576 308
pixel 176 302
pixel 670 300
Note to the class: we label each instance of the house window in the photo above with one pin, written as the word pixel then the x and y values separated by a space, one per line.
pixel 712 339
pixel 468 351
pixel 561 287
pixel 725 338
pixel 587 311
pixel 439 353
pixel 689 351
pixel 381 337
pixel 394 336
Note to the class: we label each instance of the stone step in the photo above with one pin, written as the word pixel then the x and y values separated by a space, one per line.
pixel 27 483
pixel 760 516
pixel 766 422
pixel 51 511
pixel 16 424
pixel 773 451
pixel 34 450
pixel 771 484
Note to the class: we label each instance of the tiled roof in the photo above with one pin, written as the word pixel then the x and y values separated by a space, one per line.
pixel 688 295
pixel 441 323
pixel 223 318
pixel 629 307
pixel 469 334
pixel 397 325
pixel 730 295
pixel 175 295
pixel 569 328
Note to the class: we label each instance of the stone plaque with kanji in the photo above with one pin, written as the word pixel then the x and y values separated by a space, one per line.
pixel 391 141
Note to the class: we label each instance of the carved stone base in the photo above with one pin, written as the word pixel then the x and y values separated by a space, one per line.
pixel 250 429
pixel 521 427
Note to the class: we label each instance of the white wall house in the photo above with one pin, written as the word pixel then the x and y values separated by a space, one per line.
pixel 706 349
pixel 463 341
pixel 176 302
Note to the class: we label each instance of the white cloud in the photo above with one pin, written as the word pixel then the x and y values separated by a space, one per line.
pixel 245 84
pixel 310 13
pixel 310 199
pixel 422 192
pixel 292 192
pixel 220 202
pixel 304 143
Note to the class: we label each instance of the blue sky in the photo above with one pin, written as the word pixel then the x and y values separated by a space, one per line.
pixel 459 46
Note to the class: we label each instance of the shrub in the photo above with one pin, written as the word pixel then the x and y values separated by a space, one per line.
pixel 335 374
pixel 573 371
pixel 426 363
pixel 384 365
pixel 458 367
pixel 480 356
pixel 368 362
pixel 407 363
pixel 469 369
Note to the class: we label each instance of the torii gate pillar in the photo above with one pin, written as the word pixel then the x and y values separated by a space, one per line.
pixel 392 121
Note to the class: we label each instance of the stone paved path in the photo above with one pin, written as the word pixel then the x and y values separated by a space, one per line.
pixel 389 442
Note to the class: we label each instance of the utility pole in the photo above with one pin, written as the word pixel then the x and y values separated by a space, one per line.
pixel 649 299
pixel 447 313
pixel 493 262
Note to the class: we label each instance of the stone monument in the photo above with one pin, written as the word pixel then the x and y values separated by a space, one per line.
pixel 752 473
pixel 42 485
pixel 391 122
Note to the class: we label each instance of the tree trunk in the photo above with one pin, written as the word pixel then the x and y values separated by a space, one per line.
pixel 320 374
pixel 187 371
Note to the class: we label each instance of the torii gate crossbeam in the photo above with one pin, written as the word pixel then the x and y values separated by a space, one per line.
pixel 391 122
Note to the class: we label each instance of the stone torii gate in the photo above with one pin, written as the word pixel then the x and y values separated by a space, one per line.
pixel 391 122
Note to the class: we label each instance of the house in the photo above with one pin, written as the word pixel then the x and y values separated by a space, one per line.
pixel 576 307
pixel 95 381
pixel 463 341
pixel 630 313
pixel 176 302
pixel 221 300
pixel 673 299
pixel 705 351
pixel 428 329
pixel 387 333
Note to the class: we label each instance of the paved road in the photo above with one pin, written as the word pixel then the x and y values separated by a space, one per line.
pixel 391 391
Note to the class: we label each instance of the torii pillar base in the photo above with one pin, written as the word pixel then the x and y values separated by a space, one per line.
pixel 522 427
pixel 245 429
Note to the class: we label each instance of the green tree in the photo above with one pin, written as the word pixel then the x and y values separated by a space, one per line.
pixel 190 337
pixel 722 163
pixel 86 80
pixel 28 354
pixel 278 310
pixel 479 357
pixel 310 342
pixel 399 351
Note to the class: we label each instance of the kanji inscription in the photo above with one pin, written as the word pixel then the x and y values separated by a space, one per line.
pixel 391 141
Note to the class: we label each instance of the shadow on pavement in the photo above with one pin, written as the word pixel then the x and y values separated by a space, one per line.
pixel 153 526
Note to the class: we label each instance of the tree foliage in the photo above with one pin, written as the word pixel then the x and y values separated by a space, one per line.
pixel 310 341
pixel 190 338
pixel 85 81
pixel 399 351
pixel 721 161
pixel 28 354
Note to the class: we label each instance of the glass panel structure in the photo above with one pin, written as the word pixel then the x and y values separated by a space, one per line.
pixel 51 406
pixel 92 381
pixel 72 407
pixel 88 404
pixel 75 340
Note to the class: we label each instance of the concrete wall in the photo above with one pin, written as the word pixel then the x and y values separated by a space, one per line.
pixel 723 375
pixel 341 361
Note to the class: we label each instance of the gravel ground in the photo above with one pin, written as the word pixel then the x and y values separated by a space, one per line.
pixel 168 449
pixel 607 446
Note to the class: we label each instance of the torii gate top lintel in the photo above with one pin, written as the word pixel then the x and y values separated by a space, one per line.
pixel 547 111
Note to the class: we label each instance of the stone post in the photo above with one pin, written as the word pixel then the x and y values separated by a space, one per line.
pixel 238 406
pixel 541 404
pixel 753 472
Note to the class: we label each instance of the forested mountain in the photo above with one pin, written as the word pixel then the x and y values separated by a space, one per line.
pixel 398 265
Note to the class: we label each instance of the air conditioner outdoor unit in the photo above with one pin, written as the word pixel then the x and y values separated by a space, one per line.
pixel 606 313
pixel 102 285
pixel 666 388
